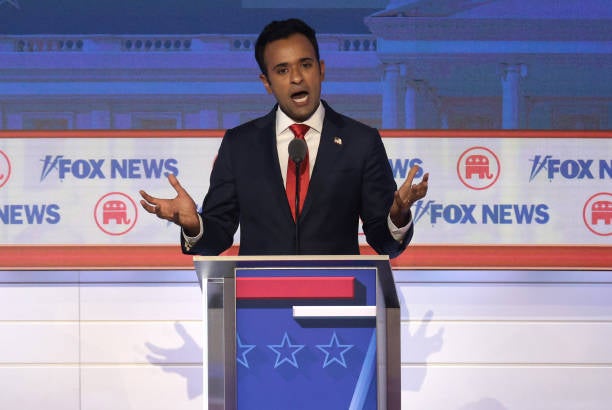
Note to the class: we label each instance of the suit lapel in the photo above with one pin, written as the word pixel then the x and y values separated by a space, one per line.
pixel 327 155
pixel 271 163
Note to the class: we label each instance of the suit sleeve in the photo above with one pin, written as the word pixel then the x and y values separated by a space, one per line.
pixel 378 189
pixel 220 209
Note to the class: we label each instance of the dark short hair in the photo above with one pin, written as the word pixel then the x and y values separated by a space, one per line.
pixel 278 30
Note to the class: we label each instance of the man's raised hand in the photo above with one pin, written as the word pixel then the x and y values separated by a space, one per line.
pixel 406 196
pixel 181 209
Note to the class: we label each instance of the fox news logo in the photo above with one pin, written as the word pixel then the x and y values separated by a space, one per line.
pixel 401 166
pixel 133 168
pixel 494 214
pixel 570 168
pixel 30 214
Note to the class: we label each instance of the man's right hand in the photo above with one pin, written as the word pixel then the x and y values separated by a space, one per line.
pixel 181 209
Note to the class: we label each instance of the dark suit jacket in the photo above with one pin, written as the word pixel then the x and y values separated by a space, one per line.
pixel 351 179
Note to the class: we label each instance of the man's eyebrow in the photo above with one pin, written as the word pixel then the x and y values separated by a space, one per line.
pixel 302 60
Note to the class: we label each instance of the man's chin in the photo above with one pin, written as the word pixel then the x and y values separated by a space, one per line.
pixel 299 114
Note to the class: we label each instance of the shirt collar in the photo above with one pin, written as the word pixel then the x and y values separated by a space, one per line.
pixel 315 121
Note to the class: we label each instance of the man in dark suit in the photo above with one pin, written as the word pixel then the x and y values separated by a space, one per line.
pixel 346 170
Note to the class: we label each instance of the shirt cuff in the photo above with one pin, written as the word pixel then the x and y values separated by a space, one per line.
pixel 398 233
pixel 190 241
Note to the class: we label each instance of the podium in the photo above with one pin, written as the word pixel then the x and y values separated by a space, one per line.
pixel 299 332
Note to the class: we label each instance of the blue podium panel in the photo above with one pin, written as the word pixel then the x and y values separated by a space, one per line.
pixel 306 338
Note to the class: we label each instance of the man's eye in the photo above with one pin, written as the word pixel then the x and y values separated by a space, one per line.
pixel 307 64
pixel 281 71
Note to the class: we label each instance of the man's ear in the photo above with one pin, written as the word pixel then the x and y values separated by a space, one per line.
pixel 322 69
pixel 264 80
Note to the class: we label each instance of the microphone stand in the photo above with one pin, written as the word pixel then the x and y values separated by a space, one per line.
pixel 298 151
pixel 297 206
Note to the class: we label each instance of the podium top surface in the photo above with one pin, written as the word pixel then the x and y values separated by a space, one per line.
pixel 220 267
pixel 272 258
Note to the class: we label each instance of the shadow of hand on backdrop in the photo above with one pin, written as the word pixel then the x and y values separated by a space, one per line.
pixel 417 347
pixel 179 360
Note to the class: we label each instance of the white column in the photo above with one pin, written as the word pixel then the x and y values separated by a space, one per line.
pixel 391 92
pixel 100 119
pixel 82 120
pixel 209 118
pixel 407 99
pixel 444 119
pixel 97 119
pixel 122 120
pixel 190 120
pixel 511 78
pixel 410 106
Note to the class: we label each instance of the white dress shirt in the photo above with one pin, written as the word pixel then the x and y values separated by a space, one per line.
pixel 284 135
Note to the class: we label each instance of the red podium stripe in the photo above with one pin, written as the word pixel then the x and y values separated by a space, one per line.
pixel 167 257
pixel 296 288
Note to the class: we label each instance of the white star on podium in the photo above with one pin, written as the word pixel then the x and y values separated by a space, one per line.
pixel 285 352
pixel 243 349
pixel 334 352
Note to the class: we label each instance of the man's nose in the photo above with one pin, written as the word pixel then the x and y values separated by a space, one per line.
pixel 296 75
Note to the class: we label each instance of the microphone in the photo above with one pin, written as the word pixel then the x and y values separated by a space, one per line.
pixel 297 152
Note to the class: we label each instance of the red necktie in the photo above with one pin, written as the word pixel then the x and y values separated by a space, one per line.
pixel 299 130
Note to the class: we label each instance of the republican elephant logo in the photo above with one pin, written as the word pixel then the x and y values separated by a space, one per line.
pixel 5 168
pixel 597 214
pixel 601 211
pixel 477 164
pixel 116 213
pixel 478 168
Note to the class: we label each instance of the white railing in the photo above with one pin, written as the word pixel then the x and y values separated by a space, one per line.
pixel 166 43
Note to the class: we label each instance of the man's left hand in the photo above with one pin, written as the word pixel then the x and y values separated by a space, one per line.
pixel 406 196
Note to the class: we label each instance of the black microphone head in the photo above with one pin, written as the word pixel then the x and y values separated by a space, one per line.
pixel 297 150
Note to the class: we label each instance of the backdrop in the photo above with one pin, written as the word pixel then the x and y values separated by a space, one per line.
pixel 506 288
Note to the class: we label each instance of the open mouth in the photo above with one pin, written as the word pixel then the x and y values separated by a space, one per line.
pixel 300 97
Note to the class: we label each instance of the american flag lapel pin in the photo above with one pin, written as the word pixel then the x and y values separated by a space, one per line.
pixel 337 140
